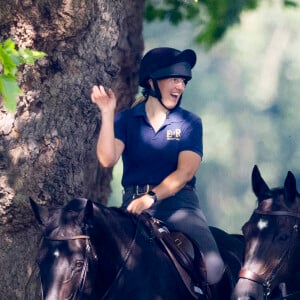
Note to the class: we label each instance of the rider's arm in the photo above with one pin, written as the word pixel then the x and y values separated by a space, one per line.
pixel 188 164
pixel 109 148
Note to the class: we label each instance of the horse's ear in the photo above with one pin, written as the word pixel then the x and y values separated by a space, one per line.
pixel 290 188
pixel 88 214
pixel 260 188
pixel 41 213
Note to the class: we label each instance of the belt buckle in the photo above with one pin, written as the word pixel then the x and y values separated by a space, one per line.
pixel 137 190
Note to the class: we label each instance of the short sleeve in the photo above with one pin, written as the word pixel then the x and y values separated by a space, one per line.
pixel 192 138
pixel 120 126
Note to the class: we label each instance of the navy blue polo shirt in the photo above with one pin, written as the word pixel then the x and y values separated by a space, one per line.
pixel 151 156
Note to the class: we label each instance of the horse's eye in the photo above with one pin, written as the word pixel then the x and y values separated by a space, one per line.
pixel 79 264
pixel 283 237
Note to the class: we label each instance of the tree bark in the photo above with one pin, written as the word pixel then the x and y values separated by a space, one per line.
pixel 47 148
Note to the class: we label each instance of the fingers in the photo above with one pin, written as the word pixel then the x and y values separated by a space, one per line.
pixel 111 94
pixel 133 208
pixel 104 100
pixel 98 92
pixel 138 205
pixel 102 90
pixel 95 93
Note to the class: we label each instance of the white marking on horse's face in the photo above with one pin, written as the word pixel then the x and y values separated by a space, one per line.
pixel 56 253
pixel 262 224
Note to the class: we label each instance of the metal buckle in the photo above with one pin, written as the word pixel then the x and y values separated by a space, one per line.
pixel 137 190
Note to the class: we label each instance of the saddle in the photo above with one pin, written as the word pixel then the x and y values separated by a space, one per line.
pixel 185 255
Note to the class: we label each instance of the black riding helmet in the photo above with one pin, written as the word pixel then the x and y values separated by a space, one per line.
pixel 164 62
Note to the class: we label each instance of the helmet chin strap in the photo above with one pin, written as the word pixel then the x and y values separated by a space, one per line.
pixel 157 94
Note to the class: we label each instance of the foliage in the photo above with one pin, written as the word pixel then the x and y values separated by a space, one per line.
pixel 10 60
pixel 246 90
pixel 212 17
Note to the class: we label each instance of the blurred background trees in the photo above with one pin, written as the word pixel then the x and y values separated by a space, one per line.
pixel 246 89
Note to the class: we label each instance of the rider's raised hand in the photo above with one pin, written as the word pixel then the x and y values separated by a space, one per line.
pixel 106 101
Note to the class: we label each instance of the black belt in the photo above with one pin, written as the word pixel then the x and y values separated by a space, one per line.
pixel 144 189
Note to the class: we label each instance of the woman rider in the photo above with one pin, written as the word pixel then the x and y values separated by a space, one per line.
pixel 161 148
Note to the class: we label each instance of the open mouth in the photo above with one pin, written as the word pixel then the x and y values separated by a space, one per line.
pixel 175 96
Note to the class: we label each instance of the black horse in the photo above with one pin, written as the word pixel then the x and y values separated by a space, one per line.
pixel 272 243
pixel 90 251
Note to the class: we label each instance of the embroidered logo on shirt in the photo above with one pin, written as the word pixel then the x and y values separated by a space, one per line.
pixel 174 134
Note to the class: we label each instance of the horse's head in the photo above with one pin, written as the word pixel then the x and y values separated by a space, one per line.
pixel 272 239
pixel 66 258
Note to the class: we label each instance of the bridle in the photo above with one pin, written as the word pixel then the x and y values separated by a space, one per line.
pixel 88 251
pixel 267 283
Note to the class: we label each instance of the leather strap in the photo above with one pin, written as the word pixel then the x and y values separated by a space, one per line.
pixel 144 189
pixel 247 274
pixel 186 278
pixel 278 213
pixel 75 237
pixel 163 236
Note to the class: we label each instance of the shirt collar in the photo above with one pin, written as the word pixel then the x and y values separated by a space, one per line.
pixel 174 115
pixel 140 109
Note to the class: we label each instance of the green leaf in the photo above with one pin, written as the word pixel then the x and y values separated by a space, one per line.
pixel 10 91
pixel 290 3
pixel 10 49
pixel 30 56
pixel 10 59
pixel 8 62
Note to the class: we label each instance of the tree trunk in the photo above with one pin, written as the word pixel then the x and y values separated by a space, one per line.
pixel 47 148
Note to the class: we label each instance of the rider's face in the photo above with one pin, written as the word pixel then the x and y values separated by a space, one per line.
pixel 171 90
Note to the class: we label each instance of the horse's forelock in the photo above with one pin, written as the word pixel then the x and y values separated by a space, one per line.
pixel 281 203
pixel 61 218
pixel 273 201
pixel 76 205
pixel 72 212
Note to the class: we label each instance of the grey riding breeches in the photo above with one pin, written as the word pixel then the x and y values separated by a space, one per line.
pixel 181 212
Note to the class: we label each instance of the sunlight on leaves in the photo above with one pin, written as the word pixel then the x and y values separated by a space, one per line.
pixel 10 91
pixel 10 60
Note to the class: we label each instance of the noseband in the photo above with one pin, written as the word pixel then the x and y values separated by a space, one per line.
pixel 252 276
pixel 88 249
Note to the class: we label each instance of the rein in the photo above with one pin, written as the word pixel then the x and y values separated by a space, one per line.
pixel 127 255
pixel 252 276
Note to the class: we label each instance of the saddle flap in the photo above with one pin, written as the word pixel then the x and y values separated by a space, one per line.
pixel 185 255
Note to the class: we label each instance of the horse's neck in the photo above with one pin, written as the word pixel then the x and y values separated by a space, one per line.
pixel 111 236
pixel 114 228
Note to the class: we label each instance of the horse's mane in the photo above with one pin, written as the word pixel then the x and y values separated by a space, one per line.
pixel 63 215
pixel 116 211
pixel 78 204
